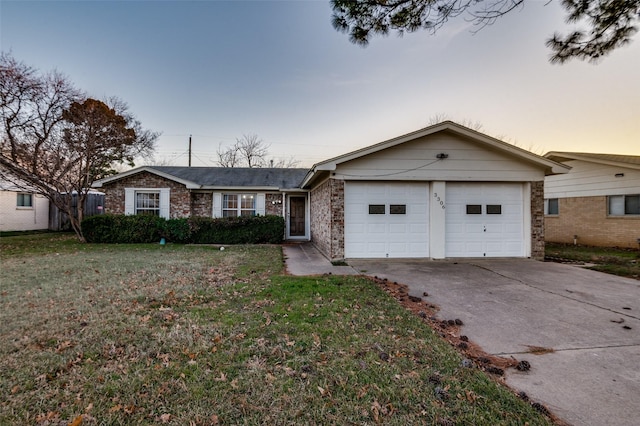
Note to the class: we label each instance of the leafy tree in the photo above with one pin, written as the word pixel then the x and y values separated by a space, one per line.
pixel 56 142
pixel 250 151
pixel 610 23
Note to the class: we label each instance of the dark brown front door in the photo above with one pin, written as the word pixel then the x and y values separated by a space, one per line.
pixel 296 216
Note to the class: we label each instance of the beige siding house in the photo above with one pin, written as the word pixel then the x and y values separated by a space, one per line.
pixel 445 191
pixel 21 209
pixel 597 203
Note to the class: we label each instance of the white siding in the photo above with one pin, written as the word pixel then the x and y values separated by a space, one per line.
pixel 13 218
pixel 416 160
pixel 588 179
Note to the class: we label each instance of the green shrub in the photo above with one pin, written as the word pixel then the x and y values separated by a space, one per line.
pixel 113 229
pixel 200 230
pixel 237 230
pixel 177 231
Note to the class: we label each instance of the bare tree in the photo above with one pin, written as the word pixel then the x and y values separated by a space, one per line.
pixel 228 157
pixel 440 117
pixel 284 163
pixel 56 142
pixel 251 151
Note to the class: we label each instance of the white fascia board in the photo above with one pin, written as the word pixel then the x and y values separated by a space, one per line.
pixel 240 188
pixel 187 183
pixel 564 156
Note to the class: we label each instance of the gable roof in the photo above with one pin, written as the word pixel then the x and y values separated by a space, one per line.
pixel 630 161
pixel 221 177
pixel 550 166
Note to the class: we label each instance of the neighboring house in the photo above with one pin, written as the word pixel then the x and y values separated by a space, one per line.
pixel 597 203
pixel 445 191
pixel 21 209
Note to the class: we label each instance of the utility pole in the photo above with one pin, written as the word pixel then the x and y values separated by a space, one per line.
pixel 189 150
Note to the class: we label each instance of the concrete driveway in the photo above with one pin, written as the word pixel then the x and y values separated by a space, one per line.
pixel 591 321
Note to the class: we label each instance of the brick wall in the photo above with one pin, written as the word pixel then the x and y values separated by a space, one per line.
pixel 337 219
pixel 320 211
pixel 180 198
pixel 537 220
pixel 273 204
pixel 327 218
pixel 587 218
pixel 202 204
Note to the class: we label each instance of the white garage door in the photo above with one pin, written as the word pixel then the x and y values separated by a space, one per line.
pixel 386 220
pixel 484 220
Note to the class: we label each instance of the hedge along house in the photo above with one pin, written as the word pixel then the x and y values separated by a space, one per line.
pixel 445 191
pixel 176 192
pixel 597 203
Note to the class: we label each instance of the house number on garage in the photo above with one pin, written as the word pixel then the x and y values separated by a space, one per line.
pixel 438 199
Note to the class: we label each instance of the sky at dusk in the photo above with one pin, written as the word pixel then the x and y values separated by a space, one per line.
pixel 218 70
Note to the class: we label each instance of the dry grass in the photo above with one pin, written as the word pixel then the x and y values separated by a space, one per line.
pixel 189 335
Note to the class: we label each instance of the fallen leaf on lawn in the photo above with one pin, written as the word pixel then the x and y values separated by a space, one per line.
pixel 222 378
pixel 64 345
pixel 362 392
pixel 115 408
pixel 165 418
pixel 77 421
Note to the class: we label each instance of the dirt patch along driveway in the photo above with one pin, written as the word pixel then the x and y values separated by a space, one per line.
pixel 583 325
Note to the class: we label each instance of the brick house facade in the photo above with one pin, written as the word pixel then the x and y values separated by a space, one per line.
pixel 386 200
pixel 597 203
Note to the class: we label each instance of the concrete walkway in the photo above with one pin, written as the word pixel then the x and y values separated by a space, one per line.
pixel 304 259
pixel 589 322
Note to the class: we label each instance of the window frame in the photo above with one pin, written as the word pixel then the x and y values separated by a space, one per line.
pixel 142 210
pixel 239 209
pixel 624 205
pixel 547 207
pixel 22 196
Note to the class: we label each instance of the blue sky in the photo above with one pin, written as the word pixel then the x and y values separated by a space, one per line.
pixel 218 70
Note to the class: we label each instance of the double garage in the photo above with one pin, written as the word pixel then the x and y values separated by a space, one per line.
pixel 435 219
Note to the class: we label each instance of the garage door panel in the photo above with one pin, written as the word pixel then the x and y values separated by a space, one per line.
pixel 387 235
pixel 484 234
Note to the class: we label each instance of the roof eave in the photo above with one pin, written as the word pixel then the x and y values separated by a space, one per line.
pixel 187 183
pixel 569 156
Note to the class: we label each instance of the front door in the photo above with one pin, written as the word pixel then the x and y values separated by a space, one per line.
pixel 297 216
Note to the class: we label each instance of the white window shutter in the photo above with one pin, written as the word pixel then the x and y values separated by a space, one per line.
pixel 217 204
pixel 260 204
pixel 165 202
pixel 129 201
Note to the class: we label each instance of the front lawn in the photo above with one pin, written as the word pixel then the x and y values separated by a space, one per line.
pixel 191 335
pixel 617 261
